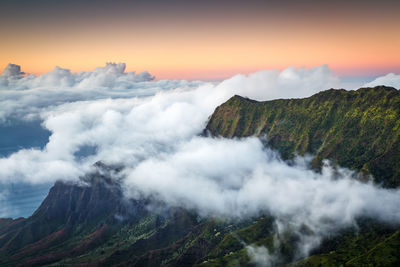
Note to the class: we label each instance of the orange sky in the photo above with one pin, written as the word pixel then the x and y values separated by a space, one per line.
pixel 184 43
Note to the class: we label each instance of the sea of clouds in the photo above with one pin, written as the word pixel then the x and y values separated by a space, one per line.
pixel 125 123
pixel 153 129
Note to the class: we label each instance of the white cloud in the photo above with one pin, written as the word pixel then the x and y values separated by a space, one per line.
pixel 390 79
pixel 288 83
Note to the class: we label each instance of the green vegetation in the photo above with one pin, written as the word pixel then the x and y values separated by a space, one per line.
pixel 374 245
pixel 355 129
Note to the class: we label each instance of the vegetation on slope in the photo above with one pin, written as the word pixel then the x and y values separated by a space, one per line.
pixel 355 129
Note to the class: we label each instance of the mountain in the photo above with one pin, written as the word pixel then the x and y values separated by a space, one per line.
pixel 90 210
pixel 91 223
pixel 355 129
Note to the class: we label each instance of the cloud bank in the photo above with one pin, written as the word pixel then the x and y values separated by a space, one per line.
pixel 127 125
pixel 241 178
pixel 112 76
pixel 26 96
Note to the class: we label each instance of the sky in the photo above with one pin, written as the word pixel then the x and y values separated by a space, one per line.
pixel 201 39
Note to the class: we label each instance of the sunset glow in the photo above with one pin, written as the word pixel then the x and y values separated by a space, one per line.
pixel 196 41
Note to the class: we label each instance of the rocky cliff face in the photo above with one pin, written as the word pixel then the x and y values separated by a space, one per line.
pixel 99 200
pixel 89 210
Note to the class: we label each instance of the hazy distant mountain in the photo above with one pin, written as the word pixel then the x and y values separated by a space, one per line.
pixel 93 224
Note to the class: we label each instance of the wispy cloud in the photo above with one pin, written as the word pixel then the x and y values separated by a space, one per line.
pixel 5 209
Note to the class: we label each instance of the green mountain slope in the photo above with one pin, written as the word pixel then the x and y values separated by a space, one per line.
pixel 355 129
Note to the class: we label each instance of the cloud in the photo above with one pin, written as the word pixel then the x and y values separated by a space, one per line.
pixel 288 83
pixel 390 79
